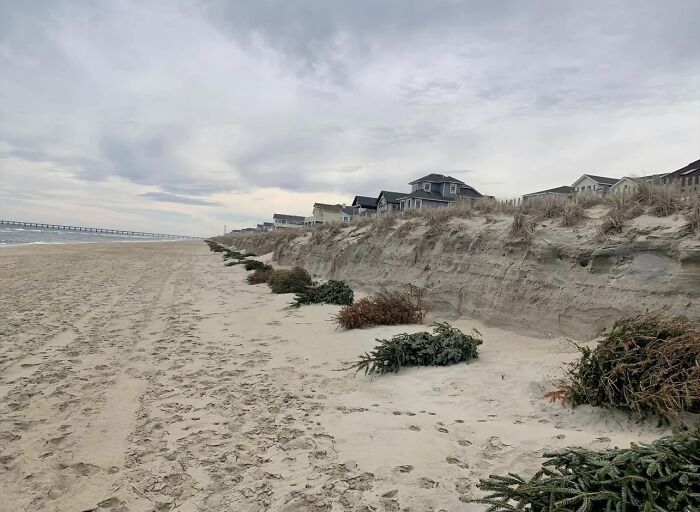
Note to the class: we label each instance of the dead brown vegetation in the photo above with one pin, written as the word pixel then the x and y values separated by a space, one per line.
pixel 295 280
pixel 384 308
pixel 647 365
pixel 260 276
pixel 522 229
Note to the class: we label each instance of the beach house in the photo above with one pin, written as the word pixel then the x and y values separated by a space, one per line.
pixel 563 192
pixel 629 184
pixel 436 191
pixel 364 206
pixel 388 202
pixel 686 178
pixel 324 213
pixel 595 185
pixel 284 221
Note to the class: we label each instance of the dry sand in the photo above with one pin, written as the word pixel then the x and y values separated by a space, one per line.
pixel 147 377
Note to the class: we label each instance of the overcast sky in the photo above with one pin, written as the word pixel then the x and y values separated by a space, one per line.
pixel 183 116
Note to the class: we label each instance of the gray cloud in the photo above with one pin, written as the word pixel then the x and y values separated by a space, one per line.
pixel 215 97
pixel 174 198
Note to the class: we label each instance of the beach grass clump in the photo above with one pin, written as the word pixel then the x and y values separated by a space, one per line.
pixel 260 276
pixel 255 265
pixel 648 365
pixel 661 200
pixel 522 229
pixel 446 345
pixel 332 292
pixel 572 214
pixel 661 476
pixel 693 214
pixel 295 280
pixel 384 308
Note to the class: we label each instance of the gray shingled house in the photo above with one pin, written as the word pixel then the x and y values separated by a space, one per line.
pixel 436 191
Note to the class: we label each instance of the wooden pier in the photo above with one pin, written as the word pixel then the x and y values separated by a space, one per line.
pixel 96 230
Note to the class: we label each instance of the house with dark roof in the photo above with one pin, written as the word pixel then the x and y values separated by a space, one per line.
pixel 686 178
pixel 364 206
pixel 591 184
pixel 388 202
pixel 558 192
pixel 346 213
pixel 284 221
pixel 629 184
pixel 436 191
pixel 265 226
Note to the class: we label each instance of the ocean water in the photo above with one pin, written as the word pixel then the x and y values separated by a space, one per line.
pixel 14 235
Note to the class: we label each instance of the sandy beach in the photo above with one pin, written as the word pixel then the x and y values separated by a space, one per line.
pixel 150 377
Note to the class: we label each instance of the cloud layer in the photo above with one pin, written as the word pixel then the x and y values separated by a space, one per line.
pixel 183 116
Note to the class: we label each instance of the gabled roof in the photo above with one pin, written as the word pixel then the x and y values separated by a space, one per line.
pixel 432 196
pixel 691 169
pixel 283 216
pixel 598 179
pixel 639 179
pixel 347 210
pixel 469 191
pixel 391 197
pixel 365 201
pixel 328 207
pixel 556 190
pixel 437 178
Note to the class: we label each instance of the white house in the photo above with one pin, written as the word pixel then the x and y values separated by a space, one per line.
pixel 284 221
pixel 590 184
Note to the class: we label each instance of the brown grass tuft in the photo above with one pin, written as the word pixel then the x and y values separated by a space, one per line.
pixel 260 276
pixel 522 229
pixel 662 200
pixel 289 281
pixel 384 308
pixel 573 214
pixel 693 214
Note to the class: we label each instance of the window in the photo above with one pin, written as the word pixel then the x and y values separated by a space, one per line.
pixel 453 188
pixel 426 187
pixel 418 203
pixel 402 205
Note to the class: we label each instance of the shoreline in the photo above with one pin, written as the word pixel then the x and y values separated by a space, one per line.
pixel 141 375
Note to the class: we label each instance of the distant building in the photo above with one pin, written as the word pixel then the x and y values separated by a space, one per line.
pixel 284 221
pixel 389 202
pixel 630 184
pixel 686 178
pixel 324 213
pixel 436 191
pixel 364 206
pixel 264 227
pixel 346 214
pixel 595 185
pixel 560 192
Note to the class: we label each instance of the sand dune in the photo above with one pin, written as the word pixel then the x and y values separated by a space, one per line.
pixel 148 377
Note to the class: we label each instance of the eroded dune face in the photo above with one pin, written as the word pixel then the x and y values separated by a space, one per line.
pixel 567 281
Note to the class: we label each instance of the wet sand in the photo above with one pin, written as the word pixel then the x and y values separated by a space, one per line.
pixel 142 377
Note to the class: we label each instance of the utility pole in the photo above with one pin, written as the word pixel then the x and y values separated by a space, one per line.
pixel 225 230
